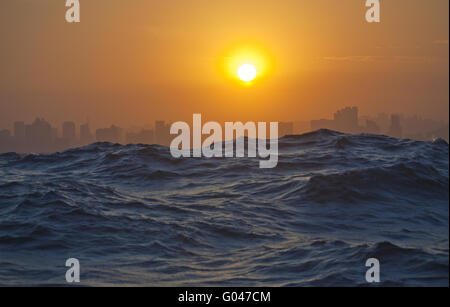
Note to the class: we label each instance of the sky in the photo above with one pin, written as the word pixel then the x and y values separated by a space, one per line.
pixel 131 62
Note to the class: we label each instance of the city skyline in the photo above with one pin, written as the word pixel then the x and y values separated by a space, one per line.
pixel 42 136
pixel 161 65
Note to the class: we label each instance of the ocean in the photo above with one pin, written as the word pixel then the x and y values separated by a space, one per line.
pixel 135 216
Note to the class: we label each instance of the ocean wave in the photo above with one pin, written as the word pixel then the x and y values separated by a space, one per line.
pixel 135 215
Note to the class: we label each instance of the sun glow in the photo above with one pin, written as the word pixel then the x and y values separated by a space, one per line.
pixel 246 72
pixel 246 64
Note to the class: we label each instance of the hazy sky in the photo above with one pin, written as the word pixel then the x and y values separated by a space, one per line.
pixel 130 62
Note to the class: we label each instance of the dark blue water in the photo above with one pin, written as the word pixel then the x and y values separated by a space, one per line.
pixel 133 215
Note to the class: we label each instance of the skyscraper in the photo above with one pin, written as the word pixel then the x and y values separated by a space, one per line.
pixel 85 134
pixel 395 130
pixel 346 120
pixel 68 131
pixel 162 133
pixel 38 136
pixel 112 134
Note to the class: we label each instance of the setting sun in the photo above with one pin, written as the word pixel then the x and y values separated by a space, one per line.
pixel 246 72
pixel 244 63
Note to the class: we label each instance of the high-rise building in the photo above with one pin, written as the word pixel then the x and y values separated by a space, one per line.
pixel 371 127
pixel 145 136
pixel 346 120
pixel 38 136
pixel 5 134
pixel 112 134
pixel 395 130
pixel 5 140
pixel 68 131
pixel 54 133
pixel 162 133
pixel 85 134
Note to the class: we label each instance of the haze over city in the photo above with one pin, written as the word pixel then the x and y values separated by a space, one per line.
pixel 41 136
pixel 132 64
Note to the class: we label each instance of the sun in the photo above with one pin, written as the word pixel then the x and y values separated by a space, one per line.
pixel 246 63
pixel 246 72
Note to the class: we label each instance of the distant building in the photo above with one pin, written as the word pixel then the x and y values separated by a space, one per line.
pixel 145 136
pixel 38 136
pixel 54 133
pixel 5 134
pixel 112 134
pixel 162 133
pixel 68 132
pixel 85 134
pixel 285 129
pixel 5 140
pixel 39 130
pixel 371 127
pixel 383 121
pixel 344 120
pixel 442 132
pixel 19 143
pixel 395 130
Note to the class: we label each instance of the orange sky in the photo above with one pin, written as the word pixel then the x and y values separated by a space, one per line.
pixel 130 62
